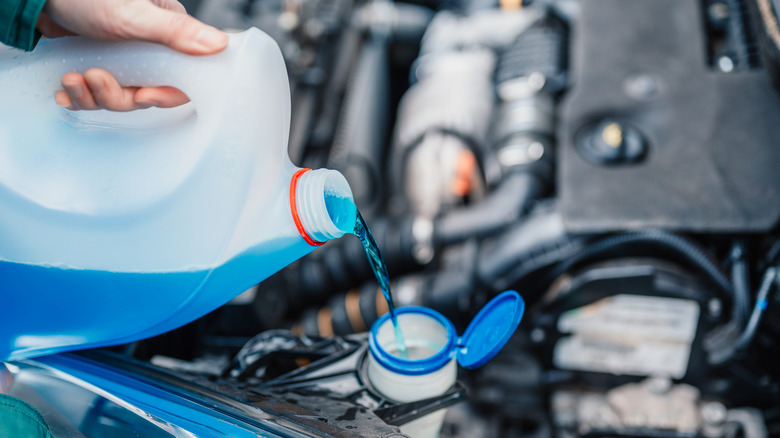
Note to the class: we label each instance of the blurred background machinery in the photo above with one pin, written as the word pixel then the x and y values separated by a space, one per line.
pixel 613 160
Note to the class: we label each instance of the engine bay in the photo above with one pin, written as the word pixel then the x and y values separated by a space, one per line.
pixel 613 161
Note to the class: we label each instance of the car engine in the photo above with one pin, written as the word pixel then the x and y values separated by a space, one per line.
pixel 614 161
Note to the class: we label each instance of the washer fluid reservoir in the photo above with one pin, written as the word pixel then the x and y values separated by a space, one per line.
pixel 434 351
pixel 120 226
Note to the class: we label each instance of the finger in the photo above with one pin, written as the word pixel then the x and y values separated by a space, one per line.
pixel 63 100
pixel 50 28
pixel 161 97
pixel 108 93
pixel 78 91
pixel 145 21
pixel 171 5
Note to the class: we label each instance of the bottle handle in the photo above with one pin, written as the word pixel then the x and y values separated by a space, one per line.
pixel 216 84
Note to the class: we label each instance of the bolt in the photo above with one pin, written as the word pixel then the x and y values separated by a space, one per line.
pixel 612 134
pixel 726 64
pixel 611 142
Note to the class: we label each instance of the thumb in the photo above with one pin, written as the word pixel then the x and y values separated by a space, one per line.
pixel 177 30
pixel 50 28
pixel 171 5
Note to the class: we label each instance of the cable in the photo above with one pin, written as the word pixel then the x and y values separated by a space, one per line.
pixel 726 342
pixel 770 277
pixel 682 247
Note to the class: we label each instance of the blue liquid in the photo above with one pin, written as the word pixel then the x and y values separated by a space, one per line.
pixel 344 215
pixel 342 211
pixel 380 272
pixel 46 309
pixel 400 342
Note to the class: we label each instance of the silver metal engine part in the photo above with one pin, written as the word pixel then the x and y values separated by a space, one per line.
pixel 654 404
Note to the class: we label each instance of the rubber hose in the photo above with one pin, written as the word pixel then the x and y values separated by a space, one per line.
pixel 682 247
pixel 503 207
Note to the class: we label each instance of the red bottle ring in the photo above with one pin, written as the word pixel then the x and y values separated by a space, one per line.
pixel 294 209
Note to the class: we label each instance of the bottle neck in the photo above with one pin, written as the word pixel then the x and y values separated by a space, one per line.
pixel 322 205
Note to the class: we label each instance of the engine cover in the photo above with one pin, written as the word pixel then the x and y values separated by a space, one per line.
pixel 708 158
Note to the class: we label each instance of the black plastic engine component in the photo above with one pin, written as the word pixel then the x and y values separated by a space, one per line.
pixel 542 50
pixel 710 163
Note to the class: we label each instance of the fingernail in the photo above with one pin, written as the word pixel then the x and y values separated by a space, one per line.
pixel 62 99
pixel 210 38
pixel 146 104
pixel 66 105
pixel 74 89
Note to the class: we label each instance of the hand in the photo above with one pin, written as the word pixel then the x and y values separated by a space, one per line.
pixel 97 89
pixel 160 21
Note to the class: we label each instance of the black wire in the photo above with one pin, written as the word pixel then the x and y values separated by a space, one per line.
pixel 549 256
pixel 681 246
pixel 579 250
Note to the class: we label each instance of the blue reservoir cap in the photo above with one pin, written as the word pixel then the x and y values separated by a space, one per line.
pixel 490 330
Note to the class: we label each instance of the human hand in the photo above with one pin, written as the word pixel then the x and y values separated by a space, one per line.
pixel 160 21
pixel 97 89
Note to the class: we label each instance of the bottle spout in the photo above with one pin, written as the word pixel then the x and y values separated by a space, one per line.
pixel 322 205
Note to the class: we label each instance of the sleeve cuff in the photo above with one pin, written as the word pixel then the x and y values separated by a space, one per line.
pixel 28 35
pixel 21 18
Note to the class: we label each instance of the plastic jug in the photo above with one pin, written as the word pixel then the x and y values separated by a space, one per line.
pixel 119 226
pixel 434 352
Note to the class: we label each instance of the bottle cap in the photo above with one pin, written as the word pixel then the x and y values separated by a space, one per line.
pixel 490 330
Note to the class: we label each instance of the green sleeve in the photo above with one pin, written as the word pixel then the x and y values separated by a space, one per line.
pixel 17 22
pixel 20 419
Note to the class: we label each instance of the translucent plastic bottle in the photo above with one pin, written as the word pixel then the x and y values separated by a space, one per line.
pixel 119 226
